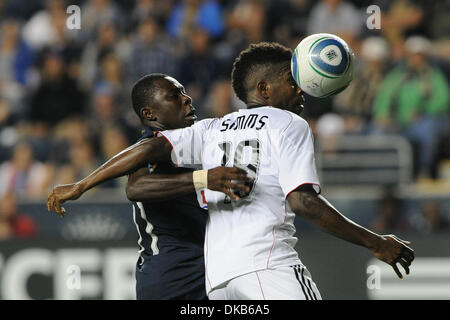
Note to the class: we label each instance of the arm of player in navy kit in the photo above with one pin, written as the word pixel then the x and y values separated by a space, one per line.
pixel 143 186
pixel 131 159
pixel 314 208
pixel 125 162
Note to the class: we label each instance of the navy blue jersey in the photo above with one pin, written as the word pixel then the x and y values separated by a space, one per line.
pixel 171 238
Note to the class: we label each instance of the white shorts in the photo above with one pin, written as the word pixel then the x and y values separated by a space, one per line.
pixel 284 283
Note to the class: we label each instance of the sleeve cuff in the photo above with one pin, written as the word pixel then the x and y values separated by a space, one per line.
pixel 174 154
pixel 316 188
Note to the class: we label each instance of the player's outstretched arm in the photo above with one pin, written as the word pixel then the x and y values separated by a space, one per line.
pixel 143 186
pixel 318 211
pixel 125 162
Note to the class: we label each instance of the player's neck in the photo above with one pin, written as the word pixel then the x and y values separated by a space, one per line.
pixel 255 100
pixel 255 105
pixel 154 125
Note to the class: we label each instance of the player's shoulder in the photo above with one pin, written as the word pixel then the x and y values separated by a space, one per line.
pixel 267 117
pixel 147 133
pixel 206 124
pixel 285 120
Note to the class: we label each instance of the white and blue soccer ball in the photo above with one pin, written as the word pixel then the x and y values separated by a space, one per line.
pixel 322 65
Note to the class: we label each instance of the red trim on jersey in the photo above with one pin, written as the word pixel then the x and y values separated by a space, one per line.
pixel 285 212
pixel 260 286
pixel 292 118
pixel 273 244
pixel 206 258
pixel 274 237
pixel 302 185
pixel 202 192
pixel 162 135
pixel 209 125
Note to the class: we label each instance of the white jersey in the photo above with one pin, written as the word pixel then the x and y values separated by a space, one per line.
pixel 276 149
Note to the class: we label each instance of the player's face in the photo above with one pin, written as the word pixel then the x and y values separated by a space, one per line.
pixel 285 93
pixel 174 107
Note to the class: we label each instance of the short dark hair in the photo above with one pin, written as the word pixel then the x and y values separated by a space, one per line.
pixel 143 90
pixel 257 55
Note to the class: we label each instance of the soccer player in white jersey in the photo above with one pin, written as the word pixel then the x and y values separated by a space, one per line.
pixel 249 244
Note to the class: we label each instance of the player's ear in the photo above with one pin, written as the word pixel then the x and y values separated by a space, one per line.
pixel 263 89
pixel 148 114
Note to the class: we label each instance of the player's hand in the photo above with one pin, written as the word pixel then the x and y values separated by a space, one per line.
pixel 219 179
pixel 393 250
pixel 61 194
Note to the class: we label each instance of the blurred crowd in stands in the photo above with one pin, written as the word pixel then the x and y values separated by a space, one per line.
pixel 65 103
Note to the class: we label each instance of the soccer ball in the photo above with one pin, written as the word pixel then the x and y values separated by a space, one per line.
pixel 322 65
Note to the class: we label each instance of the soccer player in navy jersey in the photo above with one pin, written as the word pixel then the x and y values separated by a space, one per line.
pixel 169 213
pixel 171 226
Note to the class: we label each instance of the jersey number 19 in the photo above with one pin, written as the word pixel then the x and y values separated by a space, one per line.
pixel 251 167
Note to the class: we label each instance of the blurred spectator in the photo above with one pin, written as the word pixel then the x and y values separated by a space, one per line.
pixel 7 120
pixel 329 128
pixel 248 18
pixel 112 76
pixel 47 30
pixel 105 113
pixel 246 21
pixel 356 102
pixel 104 108
pixel 188 14
pixel 145 8
pixel 315 108
pixel 151 51
pixel 439 25
pixel 83 160
pixel 198 68
pixel 413 100
pixel 113 141
pixel 399 20
pixel 98 12
pixel 13 223
pixel 67 133
pixel 3 10
pixel 390 215
pixel 287 21
pixel 18 9
pixel 107 42
pixel 58 96
pixel 339 17
pixel 5 114
pixel 9 134
pixel 22 175
pixel 16 57
pixel 431 219
pixel 65 174
pixel 220 101
pixel 46 27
